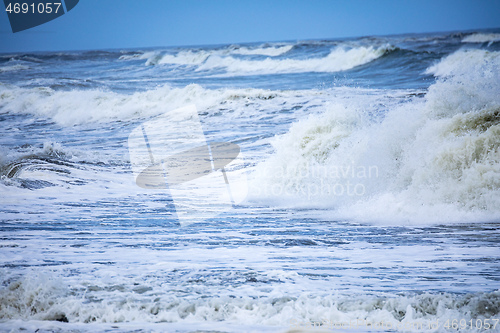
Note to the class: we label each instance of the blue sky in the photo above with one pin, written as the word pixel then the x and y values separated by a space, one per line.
pixel 107 24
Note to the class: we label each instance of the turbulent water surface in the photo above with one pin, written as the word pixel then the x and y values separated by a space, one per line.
pixel 373 169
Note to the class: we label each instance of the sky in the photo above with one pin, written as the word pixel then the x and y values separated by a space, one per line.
pixel 123 24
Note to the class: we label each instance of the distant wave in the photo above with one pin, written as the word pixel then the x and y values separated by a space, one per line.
pixel 482 38
pixel 436 158
pixel 339 59
pixel 196 57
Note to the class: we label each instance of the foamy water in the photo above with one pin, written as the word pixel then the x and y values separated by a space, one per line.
pixel 373 204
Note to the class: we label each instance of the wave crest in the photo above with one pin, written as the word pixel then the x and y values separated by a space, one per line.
pixel 436 157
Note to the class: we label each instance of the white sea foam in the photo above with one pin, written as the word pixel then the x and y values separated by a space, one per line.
pixel 43 297
pixel 433 159
pixel 482 38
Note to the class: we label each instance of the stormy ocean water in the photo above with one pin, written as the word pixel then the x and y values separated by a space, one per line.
pixel 373 168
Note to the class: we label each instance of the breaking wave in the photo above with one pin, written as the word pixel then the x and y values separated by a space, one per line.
pixel 430 159
pixel 90 106
pixel 463 62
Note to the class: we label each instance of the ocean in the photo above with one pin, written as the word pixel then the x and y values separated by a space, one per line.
pixel 370 177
